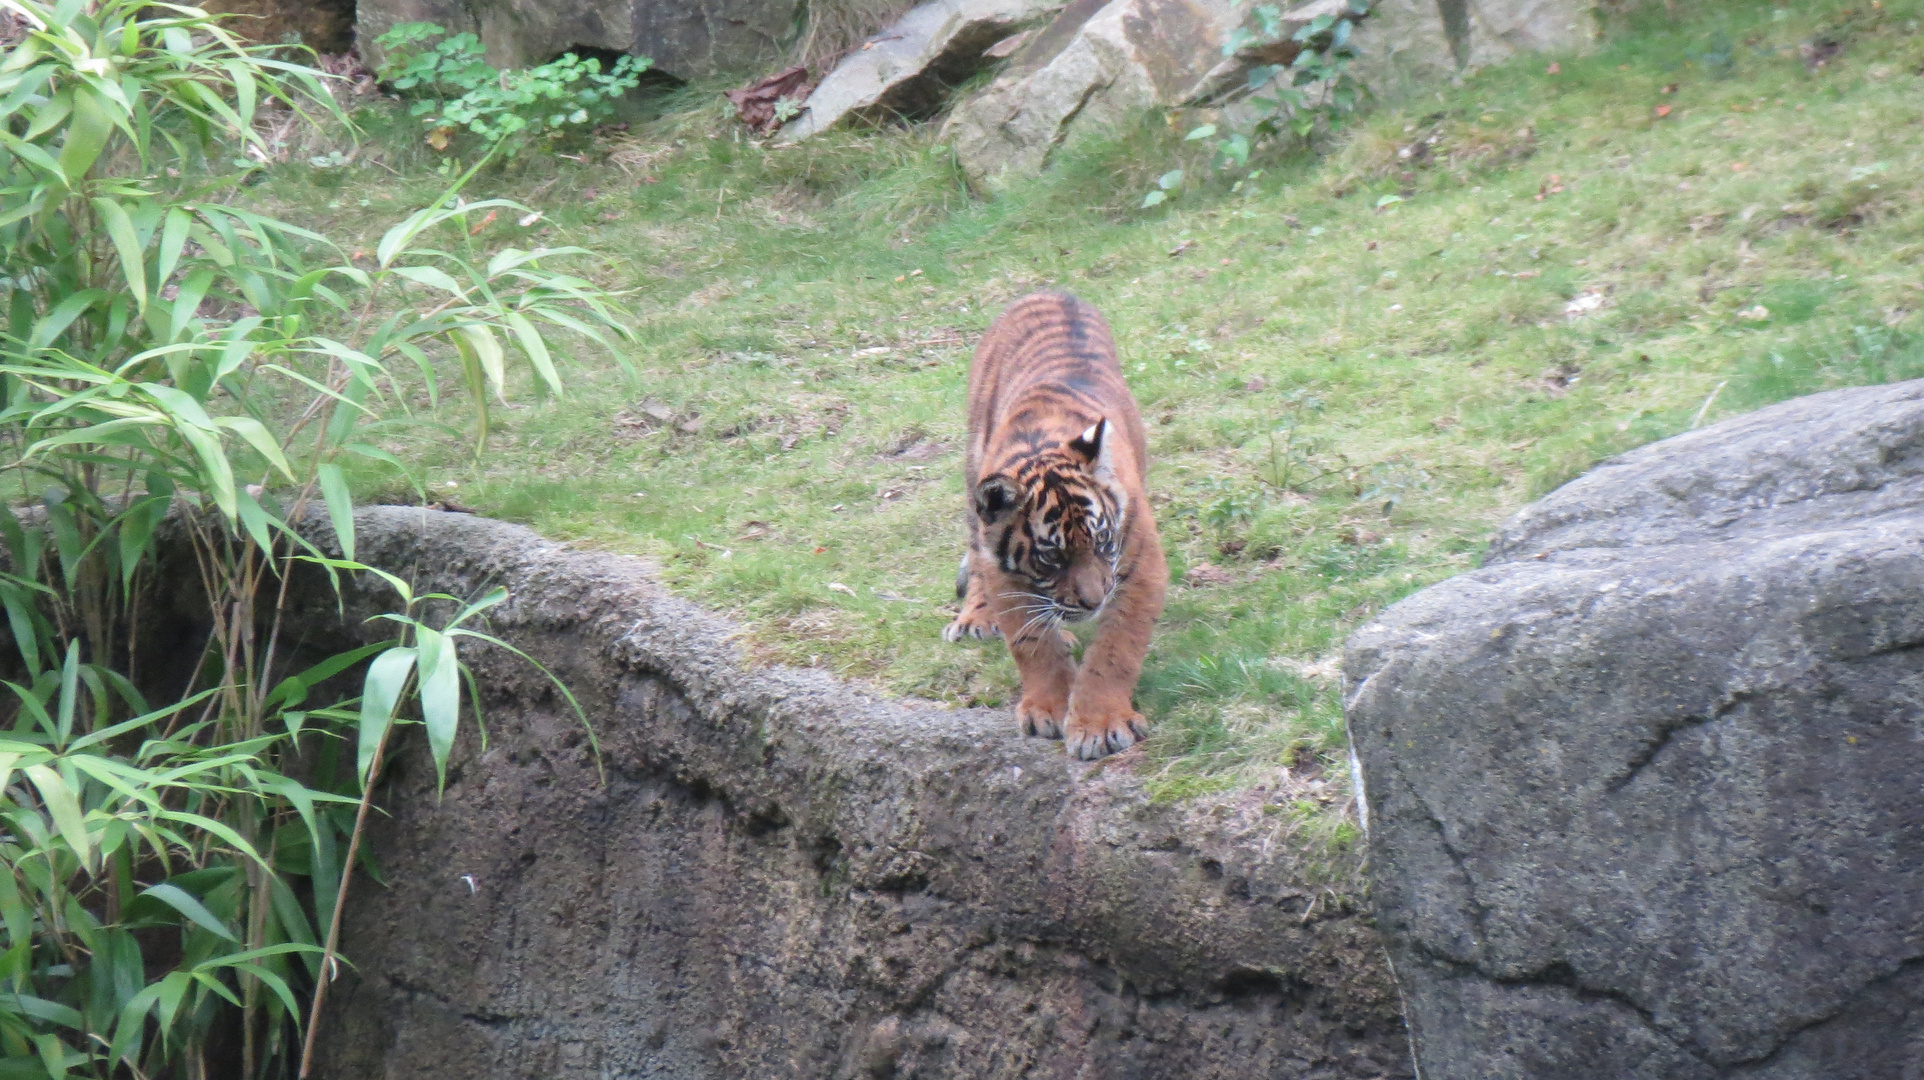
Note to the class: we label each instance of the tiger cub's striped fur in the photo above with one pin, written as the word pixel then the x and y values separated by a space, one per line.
pixel 1060 527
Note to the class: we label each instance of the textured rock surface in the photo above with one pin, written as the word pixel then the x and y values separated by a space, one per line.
pixel 326 26
pixel 783 878
pixel 686 39
pixel 1102 60
pixel 1092 68
pixel 908 69
pixel 1644 789
pixel 1409 43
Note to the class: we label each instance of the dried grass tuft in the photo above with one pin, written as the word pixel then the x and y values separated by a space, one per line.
pixel 837 27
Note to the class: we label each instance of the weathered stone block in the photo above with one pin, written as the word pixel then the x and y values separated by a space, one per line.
pixel 908 69
pixel 771 874
pixel 1643 790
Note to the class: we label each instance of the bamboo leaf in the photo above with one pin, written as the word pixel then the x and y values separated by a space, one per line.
pixel 400 236
pixel 211 982
pixel 219 829
pixel 50 326
pixel 31 706
pixel 64 808
pixel 487 350
pixel 536 348
pixel 173 990
pixel 219 476
pixel 340 505
pixel 41 1009
pixel 184 902
pixel 34 155
pixel 257 437
pixel 54 1055
pixel 132 1026
pixel 253 518
pixel 387 677
pixel 440 697
pixel 173 240
pixel 66 539
pixel 186 302
pixel 238 346
pixel 433 277
pixel 399 585
pixel 512 258
pixel 561 687
pixel 133 262
pixel 293 689
pixel 426 367
pixel 53 110
pixel 69 692
pixel 136 531
pixel 492 598
pixel 275 983
pixel 180 405
pixel 87 134
pixel 20 619
pixel 477 382
pixel 282 949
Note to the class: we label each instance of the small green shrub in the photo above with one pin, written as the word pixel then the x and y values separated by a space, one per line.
pixel 1319 94
pixel 457 90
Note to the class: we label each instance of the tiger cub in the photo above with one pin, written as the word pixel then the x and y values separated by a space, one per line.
pixel 1060 527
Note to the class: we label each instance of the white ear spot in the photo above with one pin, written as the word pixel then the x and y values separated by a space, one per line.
pixel 1089 436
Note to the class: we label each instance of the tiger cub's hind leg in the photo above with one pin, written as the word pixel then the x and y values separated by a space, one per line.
pixel 976 619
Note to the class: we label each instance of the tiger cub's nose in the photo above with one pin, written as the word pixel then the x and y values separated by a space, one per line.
pixel 1088 597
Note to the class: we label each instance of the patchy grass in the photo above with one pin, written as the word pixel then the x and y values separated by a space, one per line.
pixel 1343 398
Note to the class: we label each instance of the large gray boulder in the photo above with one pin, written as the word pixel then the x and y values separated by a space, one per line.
pixel 1102 61
pixel 908 69
pixel 774 874
pixel 1644 790
pixel 687 39
pixel 1094 67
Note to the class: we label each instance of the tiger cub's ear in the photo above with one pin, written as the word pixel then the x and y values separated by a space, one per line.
pixel 1089 443
pixel 1093 445
pixel 995 497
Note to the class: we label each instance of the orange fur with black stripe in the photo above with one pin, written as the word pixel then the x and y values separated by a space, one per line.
pixel 1060 527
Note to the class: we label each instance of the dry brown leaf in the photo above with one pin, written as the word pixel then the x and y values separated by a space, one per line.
pixel 757 102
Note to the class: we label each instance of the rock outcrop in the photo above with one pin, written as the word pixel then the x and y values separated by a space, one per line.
pixel 1643 790
pixel 1102 61
pixel 1093 67
pixel 687 39
pixel 908 69
pixel 326 26
pixel 1406 44
pixel 781 877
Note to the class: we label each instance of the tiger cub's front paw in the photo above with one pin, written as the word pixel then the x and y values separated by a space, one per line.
pixel 1041 715
pixel 975 621
pixel 1096 731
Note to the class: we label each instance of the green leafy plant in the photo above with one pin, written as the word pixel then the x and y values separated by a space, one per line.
pixel 1314 92
pixel 174 365
pixel 459 91
pixel 1321 91
pixel 1291 455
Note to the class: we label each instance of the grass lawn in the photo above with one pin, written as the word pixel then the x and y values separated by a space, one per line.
pixel 1345 393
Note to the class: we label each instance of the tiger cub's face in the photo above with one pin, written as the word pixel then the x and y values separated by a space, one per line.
pixel 1054 521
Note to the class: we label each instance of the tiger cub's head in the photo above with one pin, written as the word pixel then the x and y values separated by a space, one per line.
pixel 1053 519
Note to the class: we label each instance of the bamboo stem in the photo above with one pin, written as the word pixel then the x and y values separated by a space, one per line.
pixel 326 975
